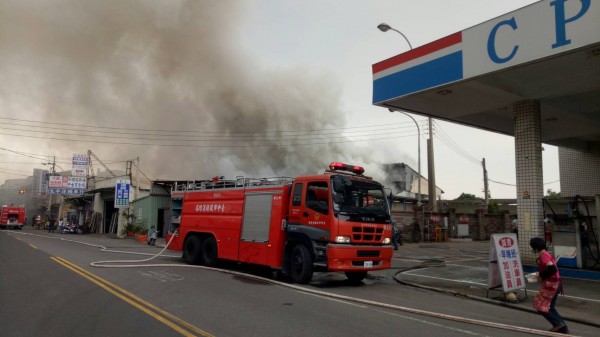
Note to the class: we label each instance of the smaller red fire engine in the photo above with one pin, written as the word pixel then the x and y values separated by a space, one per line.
pixel 12 217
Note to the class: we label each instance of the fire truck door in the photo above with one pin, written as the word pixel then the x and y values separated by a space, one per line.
pixel 260 228
pixel 257 217
pixel 295 215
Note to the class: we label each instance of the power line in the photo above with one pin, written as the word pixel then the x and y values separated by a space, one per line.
pixel 178 132
pixel 142 172
pixel 216 146
pixel 448 141
pixel 501 183
pixel 222 138
pixel 22 154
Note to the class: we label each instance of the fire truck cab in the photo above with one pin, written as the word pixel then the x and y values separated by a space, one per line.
pixel 337 221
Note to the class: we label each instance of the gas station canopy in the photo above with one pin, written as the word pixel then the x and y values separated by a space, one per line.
pixel 548 51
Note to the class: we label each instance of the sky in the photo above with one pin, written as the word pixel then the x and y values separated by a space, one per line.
pixel 196 89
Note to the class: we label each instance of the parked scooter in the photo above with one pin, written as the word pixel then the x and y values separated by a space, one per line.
pixel 72 228
pixel 152 237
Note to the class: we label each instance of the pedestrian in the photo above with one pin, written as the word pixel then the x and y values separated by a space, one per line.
pixel 394 235
pixel 515 227
pixel 551 285
pixel 51 225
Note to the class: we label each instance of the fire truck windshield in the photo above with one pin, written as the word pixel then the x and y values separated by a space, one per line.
pixel 360 201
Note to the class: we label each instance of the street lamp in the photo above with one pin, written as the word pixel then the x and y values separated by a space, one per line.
pixel 54 165
pixel 419 152
pixel 384 27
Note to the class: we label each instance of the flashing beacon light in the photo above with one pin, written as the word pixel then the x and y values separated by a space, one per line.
pixel 337 166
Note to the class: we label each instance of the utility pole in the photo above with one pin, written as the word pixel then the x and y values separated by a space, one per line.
pixel 137 178
pixel 52 170
pixel 431 170
pixel 485 184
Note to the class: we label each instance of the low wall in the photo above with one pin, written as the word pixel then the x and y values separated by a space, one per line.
pixel 481 225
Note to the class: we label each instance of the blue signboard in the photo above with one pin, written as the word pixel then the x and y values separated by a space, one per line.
pixel 67 191
pixel 122 193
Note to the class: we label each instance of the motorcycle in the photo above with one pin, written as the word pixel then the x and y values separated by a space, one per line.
pixel 71 228
pixel 152 237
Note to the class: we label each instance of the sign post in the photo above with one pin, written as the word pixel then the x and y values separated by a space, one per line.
pixel 80 165
pixel 122 190
pixel 505 269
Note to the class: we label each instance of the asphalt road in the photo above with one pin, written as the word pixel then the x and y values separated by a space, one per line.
pixel 48 288
pixel 39 297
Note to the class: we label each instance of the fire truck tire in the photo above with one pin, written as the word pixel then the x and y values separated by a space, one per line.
pixel 210 253
pixel 301 266
pixel 356 276
pixel 192 250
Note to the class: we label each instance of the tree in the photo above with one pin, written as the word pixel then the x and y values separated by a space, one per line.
pixel 550 194
pixel 467 196
pixel 493 207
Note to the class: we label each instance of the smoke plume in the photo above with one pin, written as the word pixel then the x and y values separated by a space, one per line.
pixel 147 66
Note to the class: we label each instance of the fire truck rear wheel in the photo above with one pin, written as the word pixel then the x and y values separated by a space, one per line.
pixel 301 264
pixel 192 250
pixel 210 252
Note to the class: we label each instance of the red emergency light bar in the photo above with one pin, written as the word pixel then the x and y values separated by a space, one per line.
pixel 336 166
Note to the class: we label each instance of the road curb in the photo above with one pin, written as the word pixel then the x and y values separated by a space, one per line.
pixel 481 299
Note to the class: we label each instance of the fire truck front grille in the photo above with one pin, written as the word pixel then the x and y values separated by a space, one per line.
pixel 367 253
pixel 367 234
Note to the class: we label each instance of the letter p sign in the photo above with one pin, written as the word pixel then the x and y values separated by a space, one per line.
pixel 560 20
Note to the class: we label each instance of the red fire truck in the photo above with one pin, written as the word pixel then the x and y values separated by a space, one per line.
pixel 336 221
pixel 12 217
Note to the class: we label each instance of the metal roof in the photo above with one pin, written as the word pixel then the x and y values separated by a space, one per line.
pixel 547 51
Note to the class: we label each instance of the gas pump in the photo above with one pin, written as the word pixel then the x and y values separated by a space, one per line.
pixel 573 234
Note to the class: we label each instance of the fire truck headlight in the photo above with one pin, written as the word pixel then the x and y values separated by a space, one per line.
pixel 342 239
pixel 387 241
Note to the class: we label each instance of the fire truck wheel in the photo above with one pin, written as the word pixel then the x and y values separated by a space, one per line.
pixel 356 276
pixel 192 250
pixel 210 253
pixel 301 266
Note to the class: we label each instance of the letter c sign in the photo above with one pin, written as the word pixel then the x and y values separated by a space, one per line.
pixel 491 47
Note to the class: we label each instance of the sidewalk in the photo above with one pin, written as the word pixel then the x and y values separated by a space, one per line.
pixel 461 269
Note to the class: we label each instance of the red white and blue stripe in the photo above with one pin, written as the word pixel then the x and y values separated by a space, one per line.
pixel 425 67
